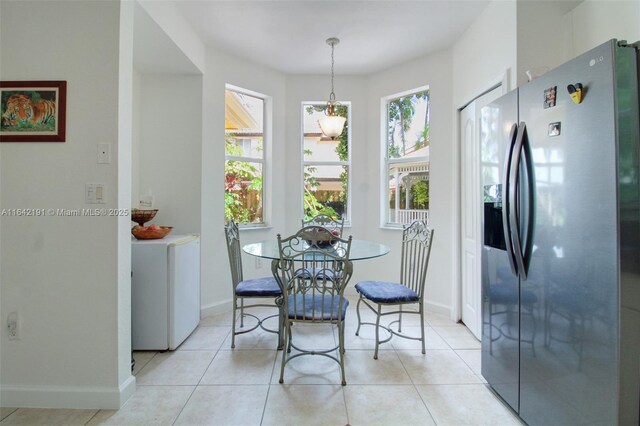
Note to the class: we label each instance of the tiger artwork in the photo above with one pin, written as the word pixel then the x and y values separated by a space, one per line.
pixel 20 109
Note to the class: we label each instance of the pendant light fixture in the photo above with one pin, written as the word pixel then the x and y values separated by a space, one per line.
pixel 332 124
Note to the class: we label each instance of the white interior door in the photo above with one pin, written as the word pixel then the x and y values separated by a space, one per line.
pixel 470 202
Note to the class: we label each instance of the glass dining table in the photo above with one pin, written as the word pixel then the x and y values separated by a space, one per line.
pixel 360 249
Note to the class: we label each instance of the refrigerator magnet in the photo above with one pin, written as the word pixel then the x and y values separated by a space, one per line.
pixel 550 97
pixel 576 92
pixel 554 129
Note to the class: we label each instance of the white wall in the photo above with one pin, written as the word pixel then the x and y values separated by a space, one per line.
pixel 66 276
pixel 135 140
pixel 168 17
pixel 170 148
pixel 594 22
pixel 484 52
pixel 541 35
pixel 436 71
pixel 225 69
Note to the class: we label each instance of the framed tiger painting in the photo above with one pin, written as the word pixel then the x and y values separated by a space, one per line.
pixel 33 111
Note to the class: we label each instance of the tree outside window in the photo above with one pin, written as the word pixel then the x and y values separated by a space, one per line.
pixel 407 145
pixel 326 166
pixel 244 157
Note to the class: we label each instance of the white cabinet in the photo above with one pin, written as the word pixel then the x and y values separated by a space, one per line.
pixel 165 291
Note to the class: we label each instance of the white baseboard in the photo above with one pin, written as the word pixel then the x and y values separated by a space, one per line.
pixel 215 308
pixel 80 397
pixel 225 306
pixel 437 308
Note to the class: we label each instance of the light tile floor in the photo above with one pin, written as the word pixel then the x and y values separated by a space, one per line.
pixel 204 382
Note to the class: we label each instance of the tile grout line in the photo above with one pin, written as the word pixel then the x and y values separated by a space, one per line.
pixel 414 384
pixel 273 368
pixel 200 380
pixel 141 368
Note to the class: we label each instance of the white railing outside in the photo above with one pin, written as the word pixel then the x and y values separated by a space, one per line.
pixel 404 217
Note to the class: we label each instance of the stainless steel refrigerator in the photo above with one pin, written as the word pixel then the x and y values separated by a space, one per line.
pixel 561 242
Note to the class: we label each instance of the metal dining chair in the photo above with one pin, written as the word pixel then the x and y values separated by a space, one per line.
pixel 327 222
pixel 416 248
pixel 316 297
pixel 257 288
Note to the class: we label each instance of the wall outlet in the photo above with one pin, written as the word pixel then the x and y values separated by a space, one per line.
pixel 13 326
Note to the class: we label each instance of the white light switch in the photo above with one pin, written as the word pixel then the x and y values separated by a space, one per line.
pixel 104 153
pixel 95 193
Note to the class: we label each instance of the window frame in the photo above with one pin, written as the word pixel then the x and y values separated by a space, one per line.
pixel 264 161
pixel 385 161
pixel 304 163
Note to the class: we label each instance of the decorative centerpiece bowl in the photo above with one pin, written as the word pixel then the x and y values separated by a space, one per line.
pixel 321 238
pixel 150 234
pixel 143 216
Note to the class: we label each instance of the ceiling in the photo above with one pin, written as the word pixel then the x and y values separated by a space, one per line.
pixel 289 36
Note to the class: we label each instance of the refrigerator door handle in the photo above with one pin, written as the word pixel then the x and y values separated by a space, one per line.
pixel 514 201
pixel 506 200
pixel 531 203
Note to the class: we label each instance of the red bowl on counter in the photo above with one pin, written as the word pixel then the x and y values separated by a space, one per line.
pixel 151 234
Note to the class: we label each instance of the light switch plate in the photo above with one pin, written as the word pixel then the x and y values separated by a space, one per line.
pixel 104 153
pixel 95 193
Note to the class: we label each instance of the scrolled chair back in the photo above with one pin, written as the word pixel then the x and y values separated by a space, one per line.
pixel 232 233
pixel 327 222
pixel 313 273
pixel 416 250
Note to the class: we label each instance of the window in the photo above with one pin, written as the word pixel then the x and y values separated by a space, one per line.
pixel 326 165
pixel 406 157
pixel 244 156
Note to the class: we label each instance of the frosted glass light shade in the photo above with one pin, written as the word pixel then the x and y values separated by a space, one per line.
pixel 332 125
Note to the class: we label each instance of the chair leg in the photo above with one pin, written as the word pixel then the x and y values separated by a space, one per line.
pixel 233 322
pixel 287 341
pixel 358 313
pixel 341 350
pixel 400 319
pixel 290 338
pixel 341 334
pixel 375 354
pixel 422 327
pixel 280 328
pixel 241 312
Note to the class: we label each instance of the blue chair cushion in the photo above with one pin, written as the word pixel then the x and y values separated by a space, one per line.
pixel 310 307
pixel 386 292
pixel 258 287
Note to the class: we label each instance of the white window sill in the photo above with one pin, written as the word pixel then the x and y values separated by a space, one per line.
pixel 392 227
pixel 254 227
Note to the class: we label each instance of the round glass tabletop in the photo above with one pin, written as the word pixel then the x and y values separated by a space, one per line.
pixel 360 249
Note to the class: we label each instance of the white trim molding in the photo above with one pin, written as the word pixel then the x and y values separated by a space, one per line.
pixel 74 397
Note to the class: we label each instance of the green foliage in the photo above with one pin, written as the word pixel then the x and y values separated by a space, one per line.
pixel 236 189
pixel 400 113
pixel 420 194
pixel 312 206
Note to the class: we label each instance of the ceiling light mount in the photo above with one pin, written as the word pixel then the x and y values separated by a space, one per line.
pixel 332 124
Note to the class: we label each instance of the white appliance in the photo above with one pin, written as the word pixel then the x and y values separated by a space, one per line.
pixel 165 291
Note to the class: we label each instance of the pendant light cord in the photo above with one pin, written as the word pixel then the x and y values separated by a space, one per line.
pixel 332 96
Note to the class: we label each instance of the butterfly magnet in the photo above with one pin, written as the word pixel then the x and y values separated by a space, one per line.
pixel 576 92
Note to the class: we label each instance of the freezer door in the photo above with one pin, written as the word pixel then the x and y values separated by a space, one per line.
pixel 569 300
pixel 184 289
pixel 500 305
